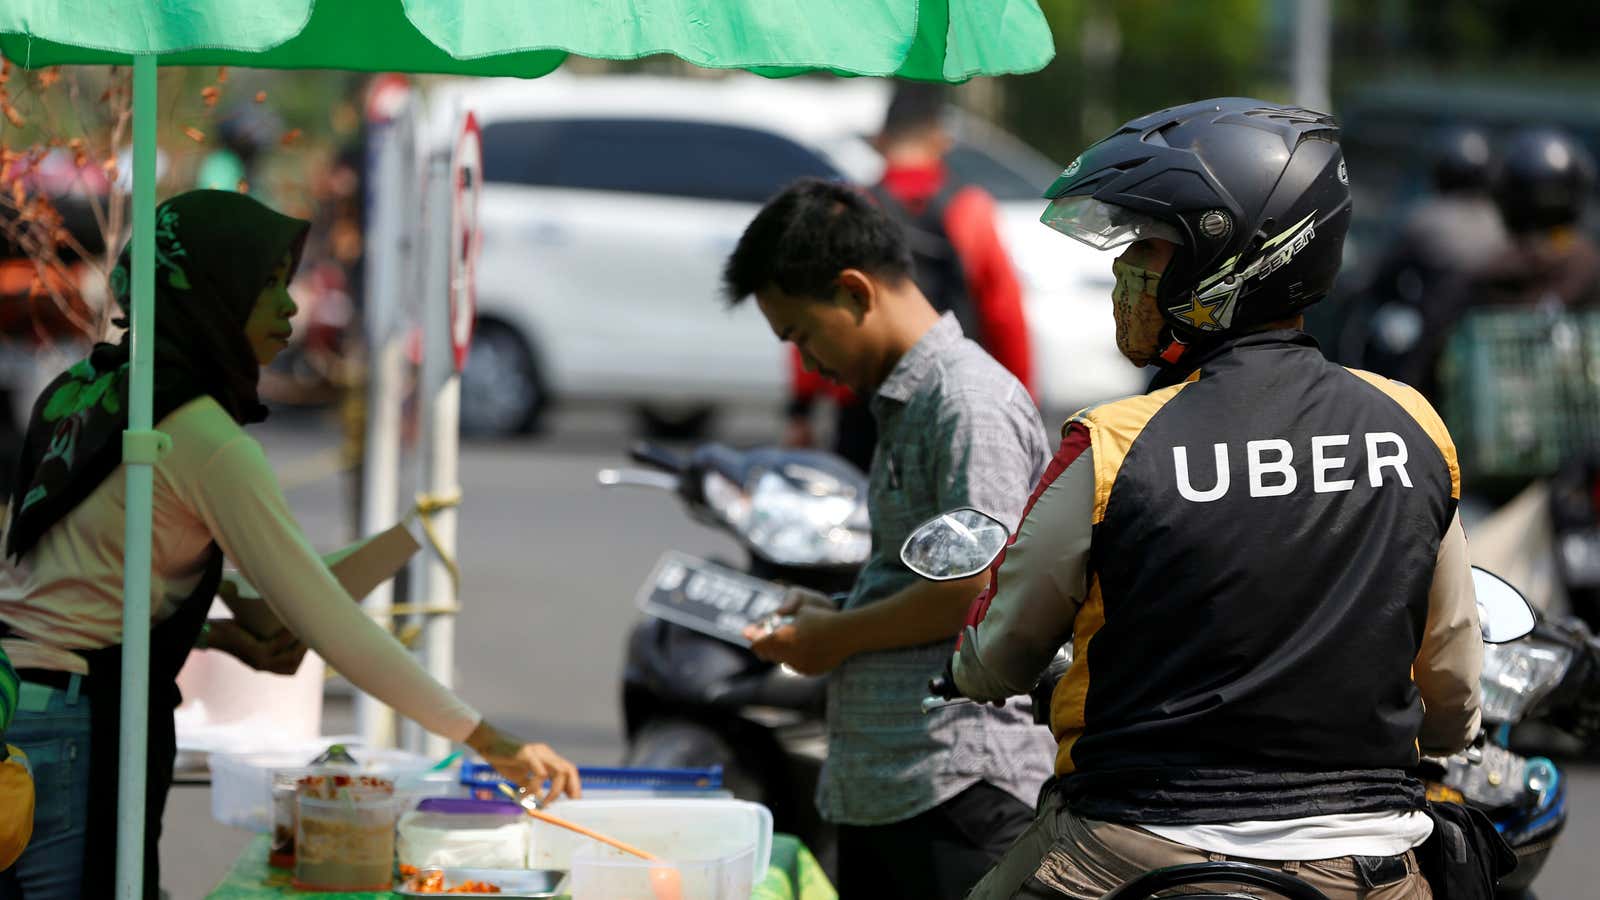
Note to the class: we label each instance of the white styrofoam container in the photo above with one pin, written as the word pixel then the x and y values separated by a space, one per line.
pixel 696 830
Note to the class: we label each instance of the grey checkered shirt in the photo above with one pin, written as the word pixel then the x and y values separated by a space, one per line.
pixel 954 429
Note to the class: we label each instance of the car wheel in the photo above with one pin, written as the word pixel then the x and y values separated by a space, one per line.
pixel 676 423
pixel 500 390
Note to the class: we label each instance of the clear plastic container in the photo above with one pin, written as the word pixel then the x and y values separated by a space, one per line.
pixel 241 784
pixel 344 844
pixel 600 872
pixel 677 830
pixel 453 833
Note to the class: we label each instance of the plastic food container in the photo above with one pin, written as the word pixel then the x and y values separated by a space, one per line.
pixel 242 784
pixel 285 816
pixel 344 834
pixel 709 831
pixel 462 833
pixel 604 873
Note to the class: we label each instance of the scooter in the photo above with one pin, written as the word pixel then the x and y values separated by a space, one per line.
pixel 693 695
pixel 1525 662
pixel 1547 678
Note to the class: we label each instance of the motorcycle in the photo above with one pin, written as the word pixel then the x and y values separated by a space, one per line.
pixel 1530 666
pixel 1546 678
pixel 693 695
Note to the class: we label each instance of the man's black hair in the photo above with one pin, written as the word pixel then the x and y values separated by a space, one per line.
pixel 809 233
pixel 915 107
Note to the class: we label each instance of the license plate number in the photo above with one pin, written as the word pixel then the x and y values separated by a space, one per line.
pixel 707 597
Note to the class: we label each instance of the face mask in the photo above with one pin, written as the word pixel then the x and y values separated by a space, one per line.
pixel 1138 316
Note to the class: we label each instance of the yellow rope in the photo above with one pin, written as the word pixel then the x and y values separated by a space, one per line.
pixel 427 506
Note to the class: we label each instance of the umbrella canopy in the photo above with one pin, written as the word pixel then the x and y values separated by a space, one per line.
pixel 930 40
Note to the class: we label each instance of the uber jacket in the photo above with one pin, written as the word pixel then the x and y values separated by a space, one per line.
pixel 1266 588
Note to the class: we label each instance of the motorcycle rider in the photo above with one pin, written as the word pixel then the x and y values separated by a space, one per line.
pixel 1542 189
pixel 1453 230
pixel 1258 563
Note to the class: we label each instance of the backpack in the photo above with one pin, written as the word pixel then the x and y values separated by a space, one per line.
pixel 935 265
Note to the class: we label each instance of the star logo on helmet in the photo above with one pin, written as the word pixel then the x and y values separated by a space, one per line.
pixel 1200 315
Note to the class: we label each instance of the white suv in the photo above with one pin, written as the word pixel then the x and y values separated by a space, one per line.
pixel 611 202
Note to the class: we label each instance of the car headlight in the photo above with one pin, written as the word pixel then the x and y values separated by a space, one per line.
pixel 1519 674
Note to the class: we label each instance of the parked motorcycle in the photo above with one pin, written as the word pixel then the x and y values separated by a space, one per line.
pixel 1531 669
pixel 693 694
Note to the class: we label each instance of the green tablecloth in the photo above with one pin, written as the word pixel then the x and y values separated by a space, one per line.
pixel 792 875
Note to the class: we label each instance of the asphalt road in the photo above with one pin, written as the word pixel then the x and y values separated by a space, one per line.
pixel 551 563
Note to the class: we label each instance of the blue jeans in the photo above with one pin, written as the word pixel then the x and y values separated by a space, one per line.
pixel 52 727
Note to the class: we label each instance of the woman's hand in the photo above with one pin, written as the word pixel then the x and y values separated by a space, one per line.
pixel 279 655
pixel 526 765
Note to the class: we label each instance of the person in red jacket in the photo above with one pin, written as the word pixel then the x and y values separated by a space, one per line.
pixel 958 259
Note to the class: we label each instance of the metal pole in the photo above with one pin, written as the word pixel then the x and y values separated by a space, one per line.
pixel 434 253
pixel 387 261
pixel 1311 48
pixel 132 743
pixel 443 390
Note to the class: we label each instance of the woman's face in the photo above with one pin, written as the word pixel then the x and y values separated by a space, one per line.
pixel 268 327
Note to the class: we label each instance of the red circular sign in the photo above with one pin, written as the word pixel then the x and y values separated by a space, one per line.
pixel 386 95
pixel 466 174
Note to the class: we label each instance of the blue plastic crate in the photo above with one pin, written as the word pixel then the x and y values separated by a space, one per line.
pixel 674 781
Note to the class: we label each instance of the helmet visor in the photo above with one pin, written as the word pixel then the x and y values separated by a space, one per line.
pixel 1102 225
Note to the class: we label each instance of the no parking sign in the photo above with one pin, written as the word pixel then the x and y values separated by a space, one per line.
pixel 466 176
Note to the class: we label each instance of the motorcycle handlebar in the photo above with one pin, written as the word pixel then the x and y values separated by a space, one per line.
pixel 657 457
pixel 944 687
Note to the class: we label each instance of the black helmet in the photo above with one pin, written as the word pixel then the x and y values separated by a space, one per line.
pixel 1545 179
pixel 1254 194
pixel 1462 160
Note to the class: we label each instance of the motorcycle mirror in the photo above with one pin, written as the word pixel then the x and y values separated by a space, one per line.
pixel 954 545
pixel 1503 613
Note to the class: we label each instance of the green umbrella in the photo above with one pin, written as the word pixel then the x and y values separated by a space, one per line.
pixel 931 40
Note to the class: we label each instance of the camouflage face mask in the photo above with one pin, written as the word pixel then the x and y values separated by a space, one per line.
pixel 1133 302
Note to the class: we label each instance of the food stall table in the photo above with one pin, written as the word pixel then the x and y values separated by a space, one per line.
pixel 793 874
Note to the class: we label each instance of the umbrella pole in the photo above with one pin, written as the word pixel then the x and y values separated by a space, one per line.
pixel 140 449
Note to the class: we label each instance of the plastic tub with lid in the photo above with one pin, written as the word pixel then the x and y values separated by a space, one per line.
pixel 459 832
pixel 344 833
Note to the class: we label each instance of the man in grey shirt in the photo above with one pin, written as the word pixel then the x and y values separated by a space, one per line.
pixel 925 804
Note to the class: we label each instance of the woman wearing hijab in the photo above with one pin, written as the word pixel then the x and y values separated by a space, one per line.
pixel 223 264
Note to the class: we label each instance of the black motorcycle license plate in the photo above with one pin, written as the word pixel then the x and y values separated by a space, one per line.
pixel 711 599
